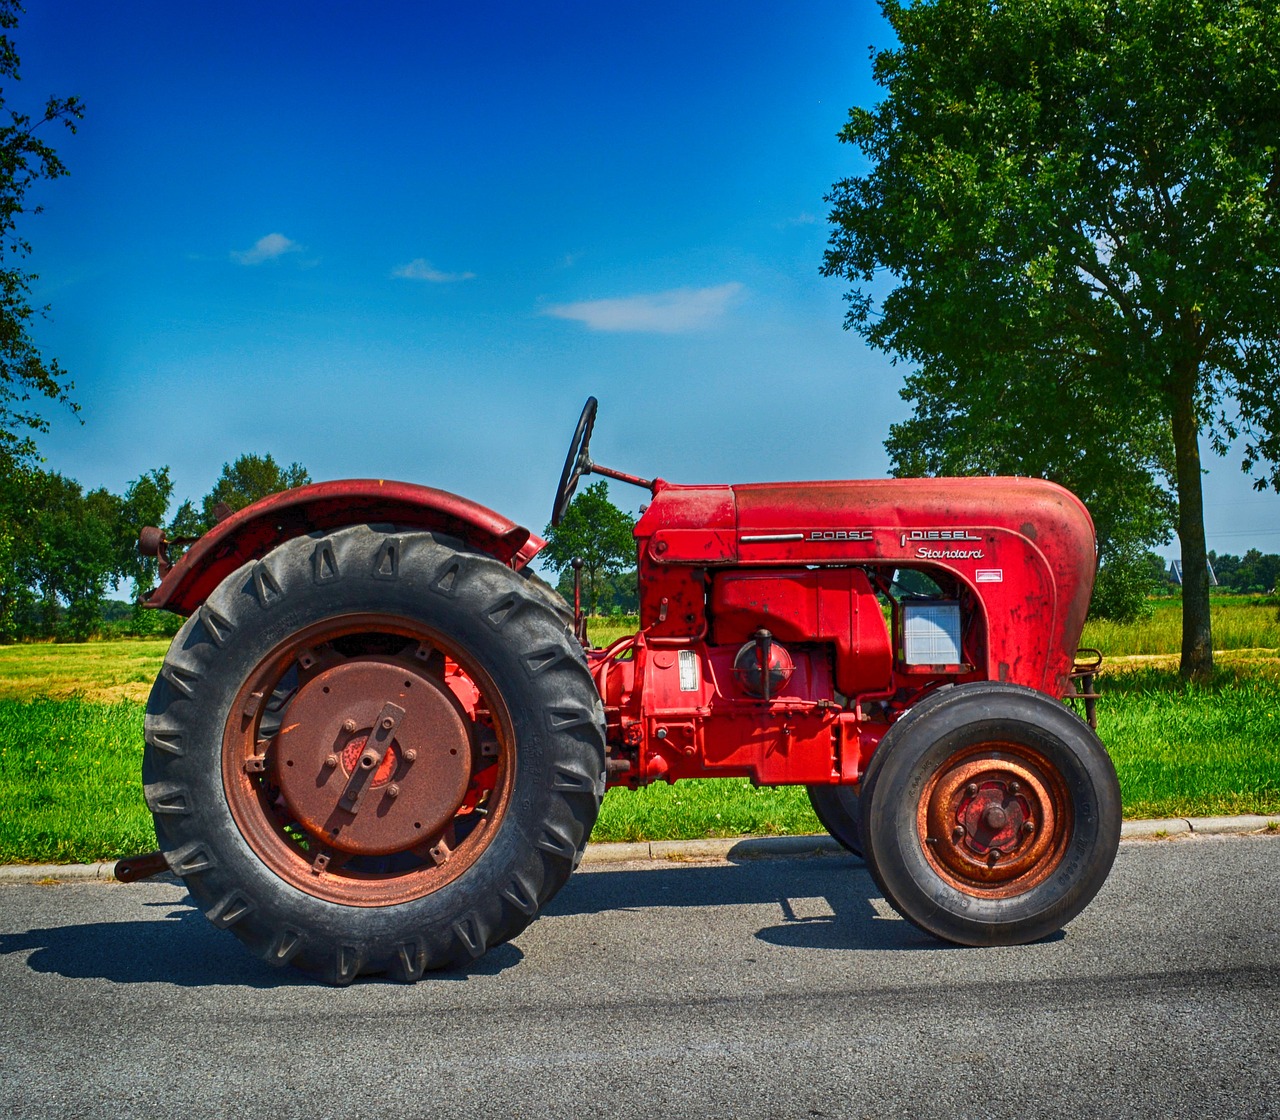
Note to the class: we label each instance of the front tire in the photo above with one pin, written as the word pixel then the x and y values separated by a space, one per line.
pixel 374 752
pixel 838 809
pixel 991 817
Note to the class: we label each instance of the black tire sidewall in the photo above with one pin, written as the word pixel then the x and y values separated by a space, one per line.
pixel 465 915
pixel 904 872
pixel 838 809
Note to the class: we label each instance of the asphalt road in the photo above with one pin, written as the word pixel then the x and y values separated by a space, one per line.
pixel 775 988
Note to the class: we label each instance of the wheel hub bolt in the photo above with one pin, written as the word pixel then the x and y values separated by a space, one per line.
pixel 348 725
pixel 330 761
pixel 957 833
pixel 393 790
pixel 1015 788
pixel 972 789
pixel 1028 828
pixel 410 755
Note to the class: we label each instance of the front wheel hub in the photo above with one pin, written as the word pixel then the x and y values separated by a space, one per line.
pixel 995 819
pixel 373 757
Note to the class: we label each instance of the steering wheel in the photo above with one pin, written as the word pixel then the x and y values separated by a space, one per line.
pixel 576 463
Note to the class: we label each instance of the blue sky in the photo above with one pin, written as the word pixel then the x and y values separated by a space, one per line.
pixel 408 240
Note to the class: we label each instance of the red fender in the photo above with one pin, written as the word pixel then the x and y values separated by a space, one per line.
pixel 257 529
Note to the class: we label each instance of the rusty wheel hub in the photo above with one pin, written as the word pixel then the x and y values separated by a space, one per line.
pixel 367 761
pixel 373 756
pixel 995 819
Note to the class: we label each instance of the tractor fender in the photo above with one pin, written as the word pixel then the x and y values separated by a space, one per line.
pixel 257 529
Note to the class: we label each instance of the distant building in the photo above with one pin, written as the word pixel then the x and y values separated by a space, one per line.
pixel 1175 572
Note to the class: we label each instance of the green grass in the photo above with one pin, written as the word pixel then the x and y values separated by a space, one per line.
pixel 71 790
pixel 99 671
pixel 70 782
pixel 711 807
pixel 1239 622
pixel 1192 750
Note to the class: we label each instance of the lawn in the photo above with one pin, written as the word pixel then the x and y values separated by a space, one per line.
pixel 71 743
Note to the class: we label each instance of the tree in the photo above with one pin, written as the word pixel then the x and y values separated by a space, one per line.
pixel 598 533
pixel 1079 202
pixel 250 478
pixel 71 548
pixel 24 160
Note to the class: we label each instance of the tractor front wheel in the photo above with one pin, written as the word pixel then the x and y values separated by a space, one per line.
pixel 838 809
pixel 373 752
pixel 991 817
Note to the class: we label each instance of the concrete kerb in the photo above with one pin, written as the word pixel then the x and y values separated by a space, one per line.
pixel 733 848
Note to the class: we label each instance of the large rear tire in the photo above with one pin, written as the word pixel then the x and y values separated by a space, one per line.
pixel 991 816
pixel 374 752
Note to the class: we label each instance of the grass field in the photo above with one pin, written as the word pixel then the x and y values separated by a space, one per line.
pixel 71 744
pixel 1238 623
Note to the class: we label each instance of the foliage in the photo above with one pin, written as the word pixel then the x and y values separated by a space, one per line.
pixel 250 478
pixel 596 532
pixel 25 159
pixel 1254 572
pixel 1124 585
pixel 68 547
pixel 62 549
pixel 619 593
pixel 1080 205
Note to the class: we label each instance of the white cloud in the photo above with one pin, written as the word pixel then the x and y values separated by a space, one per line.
pixel 804 218
pixel 267 249
pixel 681 309
pixel 419 269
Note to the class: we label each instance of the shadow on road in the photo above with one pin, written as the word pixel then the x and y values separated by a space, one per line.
pixel 182 948
pixel 822 903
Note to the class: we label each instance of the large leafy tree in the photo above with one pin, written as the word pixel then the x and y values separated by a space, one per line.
pixel 1079 205
pixel 25 158
pixel 69 547
pixel 596 532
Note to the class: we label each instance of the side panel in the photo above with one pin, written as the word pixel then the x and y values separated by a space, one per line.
pixel 256 529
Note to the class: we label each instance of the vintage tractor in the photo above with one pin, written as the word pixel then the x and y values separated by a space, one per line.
pixel 379 742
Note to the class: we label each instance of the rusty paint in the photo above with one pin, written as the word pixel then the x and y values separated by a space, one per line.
pixel 995 819
pixel 256 529
pixel 134 868
pixel 449 791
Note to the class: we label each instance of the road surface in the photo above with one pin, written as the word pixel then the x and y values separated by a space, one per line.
pixel 774 988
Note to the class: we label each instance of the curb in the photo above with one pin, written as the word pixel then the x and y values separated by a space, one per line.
pixel 733 849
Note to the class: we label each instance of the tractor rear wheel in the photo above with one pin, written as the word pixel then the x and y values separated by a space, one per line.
pixel 374 752
pixel 991 817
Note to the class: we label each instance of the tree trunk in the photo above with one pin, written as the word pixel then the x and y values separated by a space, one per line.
pixel 1197 635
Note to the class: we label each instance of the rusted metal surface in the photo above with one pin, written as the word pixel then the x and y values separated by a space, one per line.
pixel 256 529
pixel 813 564
pixel 385 771
pixel 359 731
pixel 995 819
pixel 133 868
pixel 1084 675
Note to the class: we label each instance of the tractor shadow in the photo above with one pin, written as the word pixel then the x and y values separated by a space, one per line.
pixel 176 945
pixel 822 902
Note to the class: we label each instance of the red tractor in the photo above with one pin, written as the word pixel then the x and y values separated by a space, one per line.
pixel 378 744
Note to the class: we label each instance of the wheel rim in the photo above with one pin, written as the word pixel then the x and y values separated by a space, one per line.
pixel 995 819
pixel 367 760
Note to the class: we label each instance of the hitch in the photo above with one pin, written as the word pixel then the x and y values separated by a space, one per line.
pixel 1083 673
pixel 133 868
